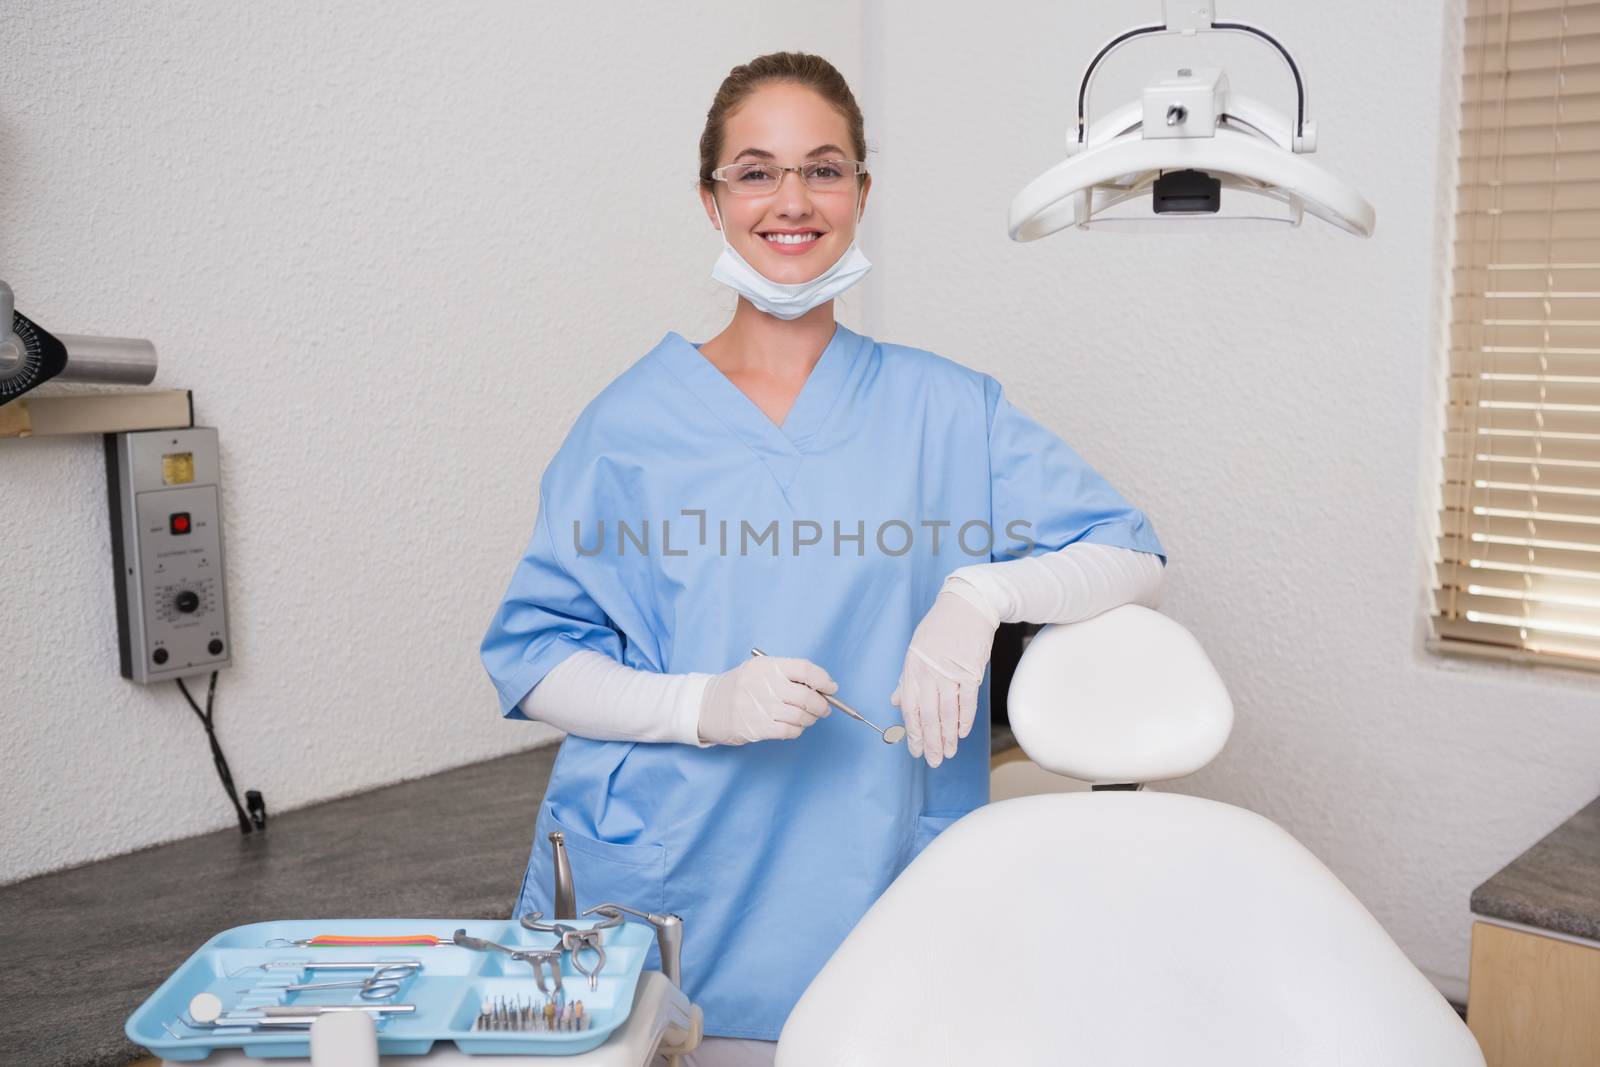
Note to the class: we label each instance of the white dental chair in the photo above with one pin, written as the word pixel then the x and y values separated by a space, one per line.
pixel 1120 926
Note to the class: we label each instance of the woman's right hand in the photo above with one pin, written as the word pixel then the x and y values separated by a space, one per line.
pixel 764 698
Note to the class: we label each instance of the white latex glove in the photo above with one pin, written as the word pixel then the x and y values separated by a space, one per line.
pixel 938 691
pixel 763 699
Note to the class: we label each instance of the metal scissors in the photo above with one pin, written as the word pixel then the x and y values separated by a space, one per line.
pixel 383 983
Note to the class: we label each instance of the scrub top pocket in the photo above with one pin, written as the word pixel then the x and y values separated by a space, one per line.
pixel 602 871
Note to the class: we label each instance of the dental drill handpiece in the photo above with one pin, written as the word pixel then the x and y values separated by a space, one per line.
pixel 669 937
pixel 566 898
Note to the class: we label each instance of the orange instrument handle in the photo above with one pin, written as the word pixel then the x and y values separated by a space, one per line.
pixel 337 939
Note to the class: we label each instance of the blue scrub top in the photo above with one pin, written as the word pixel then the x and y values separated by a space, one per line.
pixel 678 526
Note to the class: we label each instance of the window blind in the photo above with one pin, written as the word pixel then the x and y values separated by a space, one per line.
pixel 1518 568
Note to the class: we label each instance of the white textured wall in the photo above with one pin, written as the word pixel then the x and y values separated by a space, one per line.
pixel 1271 401
pixel 393 248
pixel 322 217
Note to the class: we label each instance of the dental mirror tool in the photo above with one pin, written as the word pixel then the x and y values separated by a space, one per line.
pixel 892 735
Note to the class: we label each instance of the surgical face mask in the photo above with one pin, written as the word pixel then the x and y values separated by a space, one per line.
pixel 787 300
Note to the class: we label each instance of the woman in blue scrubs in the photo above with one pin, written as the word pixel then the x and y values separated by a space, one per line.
pixel 863 512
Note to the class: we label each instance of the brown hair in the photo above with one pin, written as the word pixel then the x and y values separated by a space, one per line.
pixel 798 68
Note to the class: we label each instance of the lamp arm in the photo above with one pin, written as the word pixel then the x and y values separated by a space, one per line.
pixel 1197 26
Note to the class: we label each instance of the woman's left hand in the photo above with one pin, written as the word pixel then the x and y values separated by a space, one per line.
pixel 938 691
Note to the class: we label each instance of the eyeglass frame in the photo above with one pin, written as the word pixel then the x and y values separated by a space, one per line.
pixel 860 166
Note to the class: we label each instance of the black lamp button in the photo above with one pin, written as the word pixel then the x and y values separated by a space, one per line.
pixel 159 655
pixel 215 647
pixel 187 601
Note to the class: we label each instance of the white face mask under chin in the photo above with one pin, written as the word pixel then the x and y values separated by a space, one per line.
pixel 786 300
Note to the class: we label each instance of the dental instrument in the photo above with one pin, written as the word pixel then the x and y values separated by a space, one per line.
pixel 207 1009
pixel 542 961
pixel 575 940
pixel 296 1022
pixel 1162 162
pixel 566 897
pixel 892 735
pixel 287 1010
pixel 327 965
pixel 480 944
pixel 381 984
pixel 669 936
pixel 346 941
pixel 269 1019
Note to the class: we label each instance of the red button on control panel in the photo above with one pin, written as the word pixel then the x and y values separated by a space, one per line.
pixel 179 523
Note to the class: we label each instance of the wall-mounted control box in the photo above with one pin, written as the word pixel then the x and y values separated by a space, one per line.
pixel 166 546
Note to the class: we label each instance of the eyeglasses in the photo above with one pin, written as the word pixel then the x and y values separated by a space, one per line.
pixel 820 175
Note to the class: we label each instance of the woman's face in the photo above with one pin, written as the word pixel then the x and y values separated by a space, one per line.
pixel 790 124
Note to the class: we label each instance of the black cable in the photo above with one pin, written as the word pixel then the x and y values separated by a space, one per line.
pixel 1088 72
pixel 1299 86
pixel 208 720
pixel 1236 27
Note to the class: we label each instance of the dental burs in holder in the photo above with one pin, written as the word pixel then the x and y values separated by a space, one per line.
pixel 1163 162
pixel 893 735
pixel 566 897
pixel 501 1014
pixel 31 356
pixel 669 935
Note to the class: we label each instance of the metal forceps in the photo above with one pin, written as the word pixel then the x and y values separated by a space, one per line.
pixel 540 960
pixel 576 940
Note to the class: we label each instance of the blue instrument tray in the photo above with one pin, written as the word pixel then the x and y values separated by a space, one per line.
pixel 448 990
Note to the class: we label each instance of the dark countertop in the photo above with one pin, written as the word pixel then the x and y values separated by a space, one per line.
pixel 452 845
pixel 1555 885
pixel 86 946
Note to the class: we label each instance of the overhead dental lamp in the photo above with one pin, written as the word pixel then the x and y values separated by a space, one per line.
pixel 1190 154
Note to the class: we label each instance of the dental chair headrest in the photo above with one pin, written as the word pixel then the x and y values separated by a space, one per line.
pixel 1127 696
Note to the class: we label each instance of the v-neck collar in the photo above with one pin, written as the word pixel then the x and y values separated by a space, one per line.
pixel 782 448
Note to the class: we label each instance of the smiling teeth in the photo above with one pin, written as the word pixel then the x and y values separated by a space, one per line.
pixel 791 238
